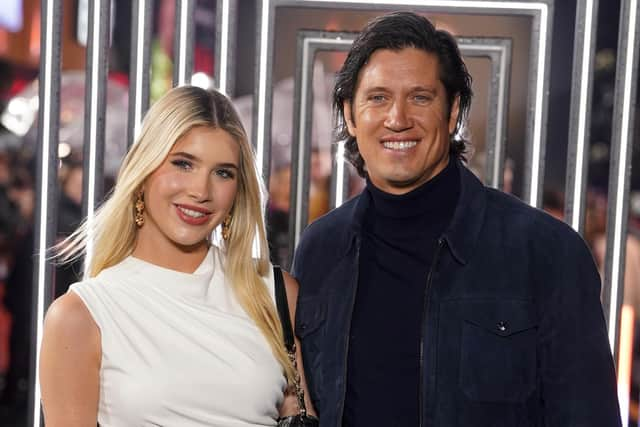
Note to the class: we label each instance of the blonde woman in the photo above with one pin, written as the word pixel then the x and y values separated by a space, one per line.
pixel 170 329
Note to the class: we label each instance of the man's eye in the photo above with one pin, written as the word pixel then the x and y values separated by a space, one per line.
pixel 225 173
pixel 377 98
pixel 182 164
pixel 422 98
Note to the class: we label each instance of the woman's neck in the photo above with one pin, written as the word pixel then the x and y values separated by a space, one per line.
pixel 184 259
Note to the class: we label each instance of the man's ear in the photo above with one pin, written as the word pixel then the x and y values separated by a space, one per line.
pixel 453 114
pixel 348 117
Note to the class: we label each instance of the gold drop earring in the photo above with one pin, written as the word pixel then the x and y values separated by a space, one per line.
pixel 139 218
pixel 226 227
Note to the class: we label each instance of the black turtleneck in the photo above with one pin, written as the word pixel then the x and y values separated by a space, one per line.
pixel 399 238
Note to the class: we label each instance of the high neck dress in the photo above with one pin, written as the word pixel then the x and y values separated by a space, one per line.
pixel 178 350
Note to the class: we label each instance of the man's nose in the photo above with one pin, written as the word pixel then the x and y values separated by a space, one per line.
pixel 397 118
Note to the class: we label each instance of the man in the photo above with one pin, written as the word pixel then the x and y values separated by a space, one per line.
pixel 429 299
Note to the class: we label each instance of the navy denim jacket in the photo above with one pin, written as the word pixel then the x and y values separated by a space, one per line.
pixel 513 332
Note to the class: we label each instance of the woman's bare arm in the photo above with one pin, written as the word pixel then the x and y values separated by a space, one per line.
pixel 291 285
pixel 70 364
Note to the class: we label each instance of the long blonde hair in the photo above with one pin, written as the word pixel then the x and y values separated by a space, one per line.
pixel 114 231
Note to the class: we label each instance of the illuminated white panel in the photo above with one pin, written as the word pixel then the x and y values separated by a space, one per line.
pixel 47 80
pixel 137 86
pixel 93 122
pixel 583 108
pixel 182 50
pixel 224 49
pixel 618 238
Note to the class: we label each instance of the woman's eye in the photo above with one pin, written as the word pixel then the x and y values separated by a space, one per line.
pixel 225 173
pixel 182 164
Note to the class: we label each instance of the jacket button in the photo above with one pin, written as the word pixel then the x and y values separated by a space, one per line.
pixel 502 326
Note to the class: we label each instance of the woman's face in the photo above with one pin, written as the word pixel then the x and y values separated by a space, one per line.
pixel 191 192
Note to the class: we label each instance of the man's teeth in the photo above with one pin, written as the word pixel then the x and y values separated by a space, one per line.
pixel 399 145
pixel 191 213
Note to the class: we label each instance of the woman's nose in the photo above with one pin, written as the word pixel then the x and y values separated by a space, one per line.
pixel 200 188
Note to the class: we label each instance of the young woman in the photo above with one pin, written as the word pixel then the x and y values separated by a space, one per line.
pixel 171 329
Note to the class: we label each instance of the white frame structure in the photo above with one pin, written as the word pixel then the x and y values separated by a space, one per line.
pixel 541 12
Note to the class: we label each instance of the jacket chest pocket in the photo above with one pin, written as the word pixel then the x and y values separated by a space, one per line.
pixel 498 350
pixel 310 329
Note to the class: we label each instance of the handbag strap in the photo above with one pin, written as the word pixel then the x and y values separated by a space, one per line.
pixel 283 308
pixel 289 343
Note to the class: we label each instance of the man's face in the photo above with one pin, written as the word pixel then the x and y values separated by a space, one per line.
pixel 400 119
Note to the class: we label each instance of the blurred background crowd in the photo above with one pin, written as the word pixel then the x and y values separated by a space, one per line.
pixel 19 61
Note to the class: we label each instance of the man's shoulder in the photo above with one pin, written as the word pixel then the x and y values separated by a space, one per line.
pixel 334 221
pixel 328 236
pixel 517 216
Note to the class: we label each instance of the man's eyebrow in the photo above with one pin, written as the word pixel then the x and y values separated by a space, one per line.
pixel 376 89
pixel 424 89
pixel 417 88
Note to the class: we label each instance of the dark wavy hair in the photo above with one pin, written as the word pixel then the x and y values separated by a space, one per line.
pixel 396 31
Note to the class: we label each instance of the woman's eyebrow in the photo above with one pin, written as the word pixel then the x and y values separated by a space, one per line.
pixel 185 155
pixel 194 158
pixel 227 165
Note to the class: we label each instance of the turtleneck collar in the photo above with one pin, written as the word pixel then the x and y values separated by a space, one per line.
pixel 440 193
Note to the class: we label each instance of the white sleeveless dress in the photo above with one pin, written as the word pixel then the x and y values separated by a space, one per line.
pixel 178 350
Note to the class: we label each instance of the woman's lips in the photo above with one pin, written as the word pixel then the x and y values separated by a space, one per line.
pixel 193 215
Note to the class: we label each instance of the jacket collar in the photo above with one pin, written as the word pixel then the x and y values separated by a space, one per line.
pixel 463 231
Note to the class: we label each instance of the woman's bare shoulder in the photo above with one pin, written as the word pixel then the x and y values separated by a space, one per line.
pixel 69 321
pixel 70 359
